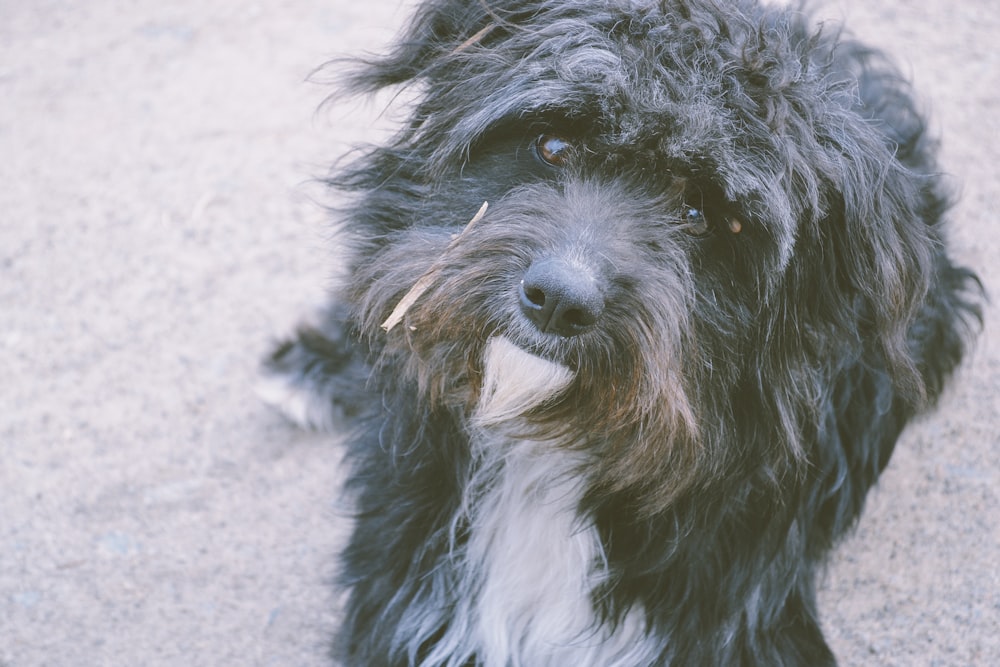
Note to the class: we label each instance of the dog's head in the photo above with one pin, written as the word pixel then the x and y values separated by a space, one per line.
pixel 695 207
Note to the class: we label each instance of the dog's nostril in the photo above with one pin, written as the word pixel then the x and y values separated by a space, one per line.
pixel 535 296
pixel 561 298
pixel 579 318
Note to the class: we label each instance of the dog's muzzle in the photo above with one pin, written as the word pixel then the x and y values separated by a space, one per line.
pixel 561 297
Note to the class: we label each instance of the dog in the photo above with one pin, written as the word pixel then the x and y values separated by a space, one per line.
pixel 638 301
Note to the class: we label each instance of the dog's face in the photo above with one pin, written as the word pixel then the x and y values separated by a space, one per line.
pixel 688 210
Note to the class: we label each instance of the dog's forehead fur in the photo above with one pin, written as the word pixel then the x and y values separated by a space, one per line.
pixel 741 95
pixel 657 78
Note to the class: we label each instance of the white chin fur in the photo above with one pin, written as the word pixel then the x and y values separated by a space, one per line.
pixel 516 381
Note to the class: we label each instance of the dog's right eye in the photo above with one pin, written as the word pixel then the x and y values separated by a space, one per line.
pixel 552 150
pixel 695 223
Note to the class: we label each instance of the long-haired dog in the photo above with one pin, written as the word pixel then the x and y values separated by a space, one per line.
pixel 639 300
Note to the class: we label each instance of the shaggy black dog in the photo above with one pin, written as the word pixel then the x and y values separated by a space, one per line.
pixel 619 414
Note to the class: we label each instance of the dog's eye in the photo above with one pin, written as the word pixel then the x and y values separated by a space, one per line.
pixel 694 222
pixel 552 150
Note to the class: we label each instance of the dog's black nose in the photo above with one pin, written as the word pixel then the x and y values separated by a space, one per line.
pixel 561 298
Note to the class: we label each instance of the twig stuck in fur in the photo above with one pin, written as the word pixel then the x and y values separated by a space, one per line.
pixel 425 281
pixel 475 38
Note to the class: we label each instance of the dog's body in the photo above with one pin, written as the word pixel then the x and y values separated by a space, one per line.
pixel 621 417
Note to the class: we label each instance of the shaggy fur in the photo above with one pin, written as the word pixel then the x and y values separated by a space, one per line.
pixel 637 403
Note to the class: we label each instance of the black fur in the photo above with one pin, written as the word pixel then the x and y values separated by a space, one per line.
pixel 759 205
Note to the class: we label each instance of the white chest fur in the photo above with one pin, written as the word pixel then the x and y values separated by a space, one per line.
pixel 537 563
pixel 531 561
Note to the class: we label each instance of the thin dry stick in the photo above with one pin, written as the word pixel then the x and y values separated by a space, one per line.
pixel 475 38
pixel 426 280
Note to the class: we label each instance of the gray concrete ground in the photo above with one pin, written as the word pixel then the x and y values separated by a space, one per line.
pixel 157 227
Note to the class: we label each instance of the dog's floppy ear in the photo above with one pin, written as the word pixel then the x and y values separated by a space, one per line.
pixel 882 227
pixel 886 255
pixel 439 28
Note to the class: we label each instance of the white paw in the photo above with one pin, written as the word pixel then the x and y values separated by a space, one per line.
pixel 296 402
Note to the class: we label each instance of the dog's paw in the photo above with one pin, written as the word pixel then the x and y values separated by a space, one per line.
pixel 316 378
pixel 296 400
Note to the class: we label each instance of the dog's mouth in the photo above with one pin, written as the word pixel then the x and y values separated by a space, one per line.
pixel 523 333
pixel 568 352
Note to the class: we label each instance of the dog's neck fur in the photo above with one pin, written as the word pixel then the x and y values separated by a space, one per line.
pixel 531 561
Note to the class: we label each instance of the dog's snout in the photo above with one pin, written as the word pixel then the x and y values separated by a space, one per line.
pixel 561 298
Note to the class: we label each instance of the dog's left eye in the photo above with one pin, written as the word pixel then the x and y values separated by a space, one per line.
pixel 552 150
pixel 694 222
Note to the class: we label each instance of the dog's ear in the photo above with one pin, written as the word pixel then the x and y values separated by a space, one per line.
pixel 861 168
pixel 438 29
pixel 885 252
pixel 882 227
